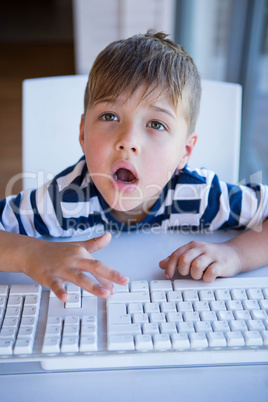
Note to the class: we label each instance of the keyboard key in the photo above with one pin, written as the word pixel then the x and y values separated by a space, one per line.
pixel 15 301
pixel 238 325
pixel 140 318
pixel 69 344
pixel 225 315
pixel 29 311
pixel 3 302
pixel 13 312
pixel 120 342
pixel 255 325
pixel 89 319
pixel 180 341
pixel 33 301
pixel 162 342
pixel 70 331
pixel 72 320
pixel 239 294
pixel 242 315
pixel 10 322
pixel 144 342
pixel 198 340
pixel 158 296
pixel 168 328
pixel 150 328
pixel 168 307
pixel 265 293
pixel 6 347
pixel 191 316
pixel 116 314
pixel 51 345
pixel 87 330
pixel 139 286
pixel 121 288
pixel 185 327
pixel 88 343
pixel 201 306
pixel 234 305
pixel 234 338
pixel 253 338
pixel 71 288
pixel 265 337
pixel 26 332
pixel 208 316
pixel 222 294
pixel 206 295
pixel 264 304
pixel 23 346
pixel 134 329
pixel 251 305
pixel 203 326
pixel 136 308
pixel 137 297
pixel 25 289
pixel 174 295
pixel 160 285
pixel 217 305
pixel 157 317
pixel 220 326
pixel 29 322
pixel 174 317
pixel 190 295
pixel 53 331
pixel 259 314
pixel 74 301
pixel 54 321
pixel 185 306
pixel 216 339
pixel 8 333
pixel 255 294
pixel 151 308
pixel 3 290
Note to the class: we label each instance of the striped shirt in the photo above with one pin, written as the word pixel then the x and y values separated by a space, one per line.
pixel 196 199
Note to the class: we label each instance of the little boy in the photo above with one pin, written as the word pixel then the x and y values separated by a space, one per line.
pixel 137 135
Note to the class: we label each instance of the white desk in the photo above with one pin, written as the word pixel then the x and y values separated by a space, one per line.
pixel 136 255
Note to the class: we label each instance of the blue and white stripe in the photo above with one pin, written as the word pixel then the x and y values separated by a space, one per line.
pixel 70 204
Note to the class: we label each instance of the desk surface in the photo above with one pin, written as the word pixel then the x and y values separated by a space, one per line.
pixel 137 255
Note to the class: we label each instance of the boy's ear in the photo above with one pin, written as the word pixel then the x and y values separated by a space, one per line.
pixel 189 146
pixel 82 134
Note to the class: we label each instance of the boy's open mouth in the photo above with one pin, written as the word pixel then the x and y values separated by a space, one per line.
pixel 124 176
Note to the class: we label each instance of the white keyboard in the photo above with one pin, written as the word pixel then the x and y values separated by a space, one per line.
pixel 155 324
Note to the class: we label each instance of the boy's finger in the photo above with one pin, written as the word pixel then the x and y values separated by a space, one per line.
pixel 185 261
pixel 56 286
pixel 199 265
pixel 80 279
pixel 171 266
pixel 97 243
pixel 97 267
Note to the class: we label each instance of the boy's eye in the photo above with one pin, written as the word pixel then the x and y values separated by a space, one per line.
pixel 156 125
pixel 109 117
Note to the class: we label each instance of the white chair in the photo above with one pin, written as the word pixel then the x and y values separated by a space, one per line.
pixel 52 108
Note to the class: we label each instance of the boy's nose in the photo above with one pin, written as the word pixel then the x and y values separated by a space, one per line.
pixel 128 141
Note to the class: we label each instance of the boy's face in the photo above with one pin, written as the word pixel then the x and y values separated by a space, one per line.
pixel 132 148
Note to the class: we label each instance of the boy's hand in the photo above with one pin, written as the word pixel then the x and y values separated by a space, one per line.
pixel 53 264
pixel 202 260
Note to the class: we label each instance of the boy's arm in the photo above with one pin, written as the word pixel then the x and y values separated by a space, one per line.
pixel 243 253
pixel 53 264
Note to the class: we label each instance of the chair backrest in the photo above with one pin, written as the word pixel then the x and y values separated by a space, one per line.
pixel 52 109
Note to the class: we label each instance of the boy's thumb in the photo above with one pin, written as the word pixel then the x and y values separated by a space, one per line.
pixel 97 243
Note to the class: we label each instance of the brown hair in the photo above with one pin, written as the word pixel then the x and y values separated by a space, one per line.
pixel 151 60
